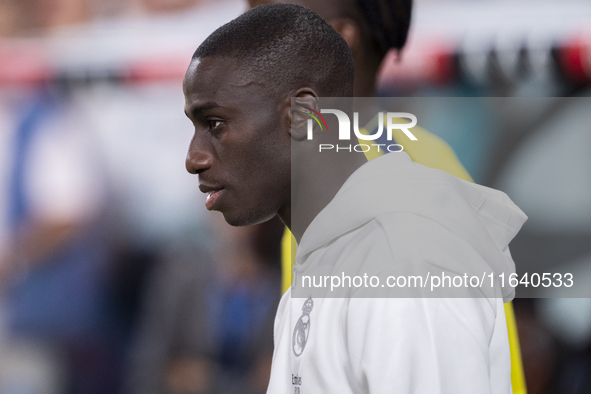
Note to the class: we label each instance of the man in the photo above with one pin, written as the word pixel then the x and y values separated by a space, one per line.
pixel 372 28
pixel 238 91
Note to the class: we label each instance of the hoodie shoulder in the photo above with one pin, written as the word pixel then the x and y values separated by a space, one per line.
pixel 422 246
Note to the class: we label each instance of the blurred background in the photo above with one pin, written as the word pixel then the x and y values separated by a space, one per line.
pixel 114 278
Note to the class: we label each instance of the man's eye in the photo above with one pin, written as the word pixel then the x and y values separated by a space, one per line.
pixel 213 124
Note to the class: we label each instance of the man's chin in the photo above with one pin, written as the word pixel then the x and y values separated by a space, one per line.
pixel 247 219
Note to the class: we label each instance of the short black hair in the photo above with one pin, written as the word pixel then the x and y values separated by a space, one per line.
pixel 290 46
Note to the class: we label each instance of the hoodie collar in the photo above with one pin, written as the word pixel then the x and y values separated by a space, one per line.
pixel 394 183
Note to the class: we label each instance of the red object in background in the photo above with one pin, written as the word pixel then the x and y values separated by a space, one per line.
pixel 23 63
pixel 163 68
pixel 575 58
pixel 425 61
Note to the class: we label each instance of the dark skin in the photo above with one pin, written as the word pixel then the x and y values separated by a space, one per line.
pixel 242 148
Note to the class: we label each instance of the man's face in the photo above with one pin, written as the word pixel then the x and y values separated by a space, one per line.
pixel 241 145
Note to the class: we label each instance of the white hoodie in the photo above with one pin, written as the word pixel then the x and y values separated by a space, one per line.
pixel 421 220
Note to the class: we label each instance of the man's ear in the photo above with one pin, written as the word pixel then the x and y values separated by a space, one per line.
pixel 303 104
pixel 349 30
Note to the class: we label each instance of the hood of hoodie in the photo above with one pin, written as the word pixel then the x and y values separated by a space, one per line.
pixel 485 218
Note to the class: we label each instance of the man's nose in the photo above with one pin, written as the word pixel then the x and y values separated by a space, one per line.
pixel 199 157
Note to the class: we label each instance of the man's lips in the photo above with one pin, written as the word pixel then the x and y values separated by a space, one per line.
pixel 214 193
pixel 212 199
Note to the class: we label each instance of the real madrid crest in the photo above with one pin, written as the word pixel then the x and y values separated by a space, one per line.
pixel 302 329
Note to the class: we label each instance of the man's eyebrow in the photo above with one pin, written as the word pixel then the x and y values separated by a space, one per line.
pixel 199 109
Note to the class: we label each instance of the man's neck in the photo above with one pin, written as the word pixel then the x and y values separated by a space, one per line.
pixel 366 74
pixel 315 191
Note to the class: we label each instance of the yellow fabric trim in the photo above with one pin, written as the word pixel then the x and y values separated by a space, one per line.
pixel 428 150
pixel 288 252
pixel 517 375
pixel 431 151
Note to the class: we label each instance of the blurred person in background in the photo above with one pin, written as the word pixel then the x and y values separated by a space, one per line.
pixel 207 322
pixel 59 334
pixel 56 264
